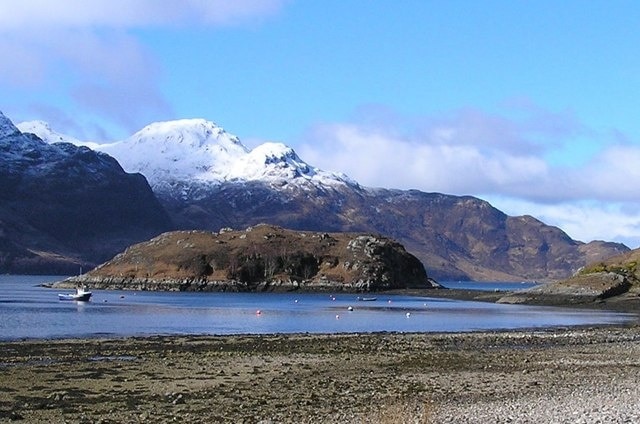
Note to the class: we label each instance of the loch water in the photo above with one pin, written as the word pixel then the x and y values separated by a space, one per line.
pixel 28 310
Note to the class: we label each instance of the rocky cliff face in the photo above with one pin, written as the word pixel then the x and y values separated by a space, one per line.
pixel 62 206
pixel 261 258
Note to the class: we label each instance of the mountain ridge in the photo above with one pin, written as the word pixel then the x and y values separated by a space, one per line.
pixel 456 237
pixel 200 152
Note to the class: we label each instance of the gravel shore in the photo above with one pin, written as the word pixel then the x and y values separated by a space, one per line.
pixel 585 375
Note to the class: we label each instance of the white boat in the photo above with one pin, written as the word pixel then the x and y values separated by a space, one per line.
pixel 81 295
pixel 367 299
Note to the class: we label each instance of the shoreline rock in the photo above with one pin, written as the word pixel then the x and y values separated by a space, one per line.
pixel 608 288
pixel 199 285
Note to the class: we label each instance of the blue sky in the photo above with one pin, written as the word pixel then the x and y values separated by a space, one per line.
pixel 532 105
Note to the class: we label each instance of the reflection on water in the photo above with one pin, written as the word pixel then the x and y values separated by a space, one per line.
pixel 30 311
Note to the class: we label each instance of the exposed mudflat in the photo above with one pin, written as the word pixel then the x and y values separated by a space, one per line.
pixel 563 375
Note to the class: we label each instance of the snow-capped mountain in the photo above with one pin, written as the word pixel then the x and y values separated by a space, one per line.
pixel 44 131
pixel 6 127
pixel 279 163
pixel 176 151
pixel 204 178
pixel 198 152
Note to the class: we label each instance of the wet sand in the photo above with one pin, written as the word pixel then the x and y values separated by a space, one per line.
pixel 560 375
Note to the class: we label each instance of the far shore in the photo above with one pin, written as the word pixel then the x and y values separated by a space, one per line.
pixel 615 303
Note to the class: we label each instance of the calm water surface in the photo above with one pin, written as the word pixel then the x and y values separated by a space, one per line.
pixel 30 311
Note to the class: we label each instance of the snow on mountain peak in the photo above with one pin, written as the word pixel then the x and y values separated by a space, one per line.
pixel 271 160
pixel 44 132
pixel 195 133
pixel 183 150
pixel 279 164
pixel 197 151
pixel 6 127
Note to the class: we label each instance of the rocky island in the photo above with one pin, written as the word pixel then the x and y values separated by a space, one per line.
pixel 260 258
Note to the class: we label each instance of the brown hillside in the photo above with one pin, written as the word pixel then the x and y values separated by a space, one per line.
pixel 259 258
pixel 455 237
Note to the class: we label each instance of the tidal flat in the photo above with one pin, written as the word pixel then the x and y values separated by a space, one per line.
pixel 555 376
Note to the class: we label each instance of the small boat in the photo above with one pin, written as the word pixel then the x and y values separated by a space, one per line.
pixel 81 295
pixel 367 299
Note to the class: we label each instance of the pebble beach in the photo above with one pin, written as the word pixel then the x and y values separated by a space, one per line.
pixel 566 375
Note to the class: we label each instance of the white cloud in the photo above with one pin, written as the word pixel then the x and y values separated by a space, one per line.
pixel 614 174
pixel 437 161
pixel 20 67
pixel 85 55
pixel 129 14
pixel 582 220
pixel 495 157
pixel 108 73
pixel 116 77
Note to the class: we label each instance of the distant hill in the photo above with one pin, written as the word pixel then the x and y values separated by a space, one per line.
pixel 456 237
pixel 207 180
pixel 261 258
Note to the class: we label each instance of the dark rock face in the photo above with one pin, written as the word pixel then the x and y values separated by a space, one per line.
pixel 261 258
pixel 456 238
pixel 62 206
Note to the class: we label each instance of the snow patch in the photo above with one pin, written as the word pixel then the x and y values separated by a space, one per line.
pixel 44 132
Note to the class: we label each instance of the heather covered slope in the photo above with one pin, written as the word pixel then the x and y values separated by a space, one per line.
pixel 261 258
